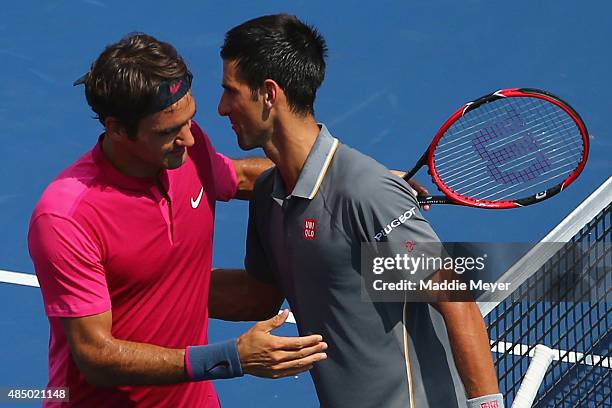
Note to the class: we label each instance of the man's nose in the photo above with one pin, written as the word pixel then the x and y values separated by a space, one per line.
pixel 185 137
pixel 222 107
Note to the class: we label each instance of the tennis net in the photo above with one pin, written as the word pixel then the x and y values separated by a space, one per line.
pixel 563 301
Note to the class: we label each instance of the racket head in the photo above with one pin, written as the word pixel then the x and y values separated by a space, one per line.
pixel 508 149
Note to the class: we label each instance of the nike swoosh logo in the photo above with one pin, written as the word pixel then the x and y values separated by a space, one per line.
pixel 195 203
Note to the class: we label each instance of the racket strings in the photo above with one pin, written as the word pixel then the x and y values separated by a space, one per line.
pixel 462 177
pixel 455 132
pixel 514 192
pixel 562 167
pixel 495 111
pixel 509 147
pixel 445 155
pixel 444 164
pixel 562 170
pixel 452 171
pixel 443 147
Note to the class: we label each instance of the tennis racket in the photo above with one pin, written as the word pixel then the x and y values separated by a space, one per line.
pixel 511 148
pixel 542 357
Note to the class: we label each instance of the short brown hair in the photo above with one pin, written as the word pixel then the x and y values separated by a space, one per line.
pixel 124 80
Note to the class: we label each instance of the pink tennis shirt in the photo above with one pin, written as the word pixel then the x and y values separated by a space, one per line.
pixel 103 241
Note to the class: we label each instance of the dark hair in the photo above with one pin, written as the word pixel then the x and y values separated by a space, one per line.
pixel 282 48
pixel 125 79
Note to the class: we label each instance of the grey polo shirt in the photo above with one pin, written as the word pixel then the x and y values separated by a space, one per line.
pixel 308 243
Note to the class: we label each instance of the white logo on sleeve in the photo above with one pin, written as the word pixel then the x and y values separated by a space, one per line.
pixel 195 203
pixel 396 222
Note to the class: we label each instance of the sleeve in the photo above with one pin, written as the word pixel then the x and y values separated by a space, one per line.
pixel 69 268
pixel 223 170
pixel 387 211
pixel 390 226
pixel 255 261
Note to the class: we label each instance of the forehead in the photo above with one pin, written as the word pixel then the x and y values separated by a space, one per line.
pixel 181 111
pixel 230 74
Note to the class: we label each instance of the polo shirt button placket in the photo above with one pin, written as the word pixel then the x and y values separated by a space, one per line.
pixel 166 211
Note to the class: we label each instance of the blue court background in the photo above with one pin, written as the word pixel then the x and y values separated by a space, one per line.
pixel 396 70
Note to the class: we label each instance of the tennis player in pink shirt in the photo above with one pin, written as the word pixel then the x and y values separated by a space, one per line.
pixel 122 246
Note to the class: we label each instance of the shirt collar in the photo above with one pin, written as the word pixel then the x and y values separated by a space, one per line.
pixel 314 170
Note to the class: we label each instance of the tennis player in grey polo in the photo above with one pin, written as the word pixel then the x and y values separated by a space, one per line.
pixel 308 243
pixel 308 219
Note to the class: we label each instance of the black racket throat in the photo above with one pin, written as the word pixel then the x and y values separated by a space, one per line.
pixel 422 161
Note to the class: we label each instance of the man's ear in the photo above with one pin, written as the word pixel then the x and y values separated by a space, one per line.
pixel 271 92
pixel 115 129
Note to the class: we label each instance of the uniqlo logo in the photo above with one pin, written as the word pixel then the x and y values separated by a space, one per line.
pixel 310 228
pixel 490 404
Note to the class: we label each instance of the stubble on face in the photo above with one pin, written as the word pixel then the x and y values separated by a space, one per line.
pixel 245 111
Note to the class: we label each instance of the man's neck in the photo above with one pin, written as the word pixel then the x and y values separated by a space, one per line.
pixel 290 145
pixel 125 163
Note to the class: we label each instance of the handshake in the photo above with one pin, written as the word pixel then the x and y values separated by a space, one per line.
pixel 257 352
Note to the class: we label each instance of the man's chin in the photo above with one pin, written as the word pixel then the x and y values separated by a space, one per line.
pixel 175 162
pixel 246 146
pixel 173 165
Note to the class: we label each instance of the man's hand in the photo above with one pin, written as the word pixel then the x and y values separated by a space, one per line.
pixel 265 355
pixel 416 187
pixel 247 171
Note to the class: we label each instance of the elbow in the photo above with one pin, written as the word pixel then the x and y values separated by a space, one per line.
pixel 96 366
pixel 96 375
pixel 98 379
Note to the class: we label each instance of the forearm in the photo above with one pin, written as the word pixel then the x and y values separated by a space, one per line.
pixel 247 171
pixel 118 362
pixel 236 296
pixel 470 346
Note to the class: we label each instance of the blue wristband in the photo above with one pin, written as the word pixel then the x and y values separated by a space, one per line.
pixel 487 401
pixel 213 361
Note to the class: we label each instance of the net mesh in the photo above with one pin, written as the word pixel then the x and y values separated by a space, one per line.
pixel 508 149
pixel 572 317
